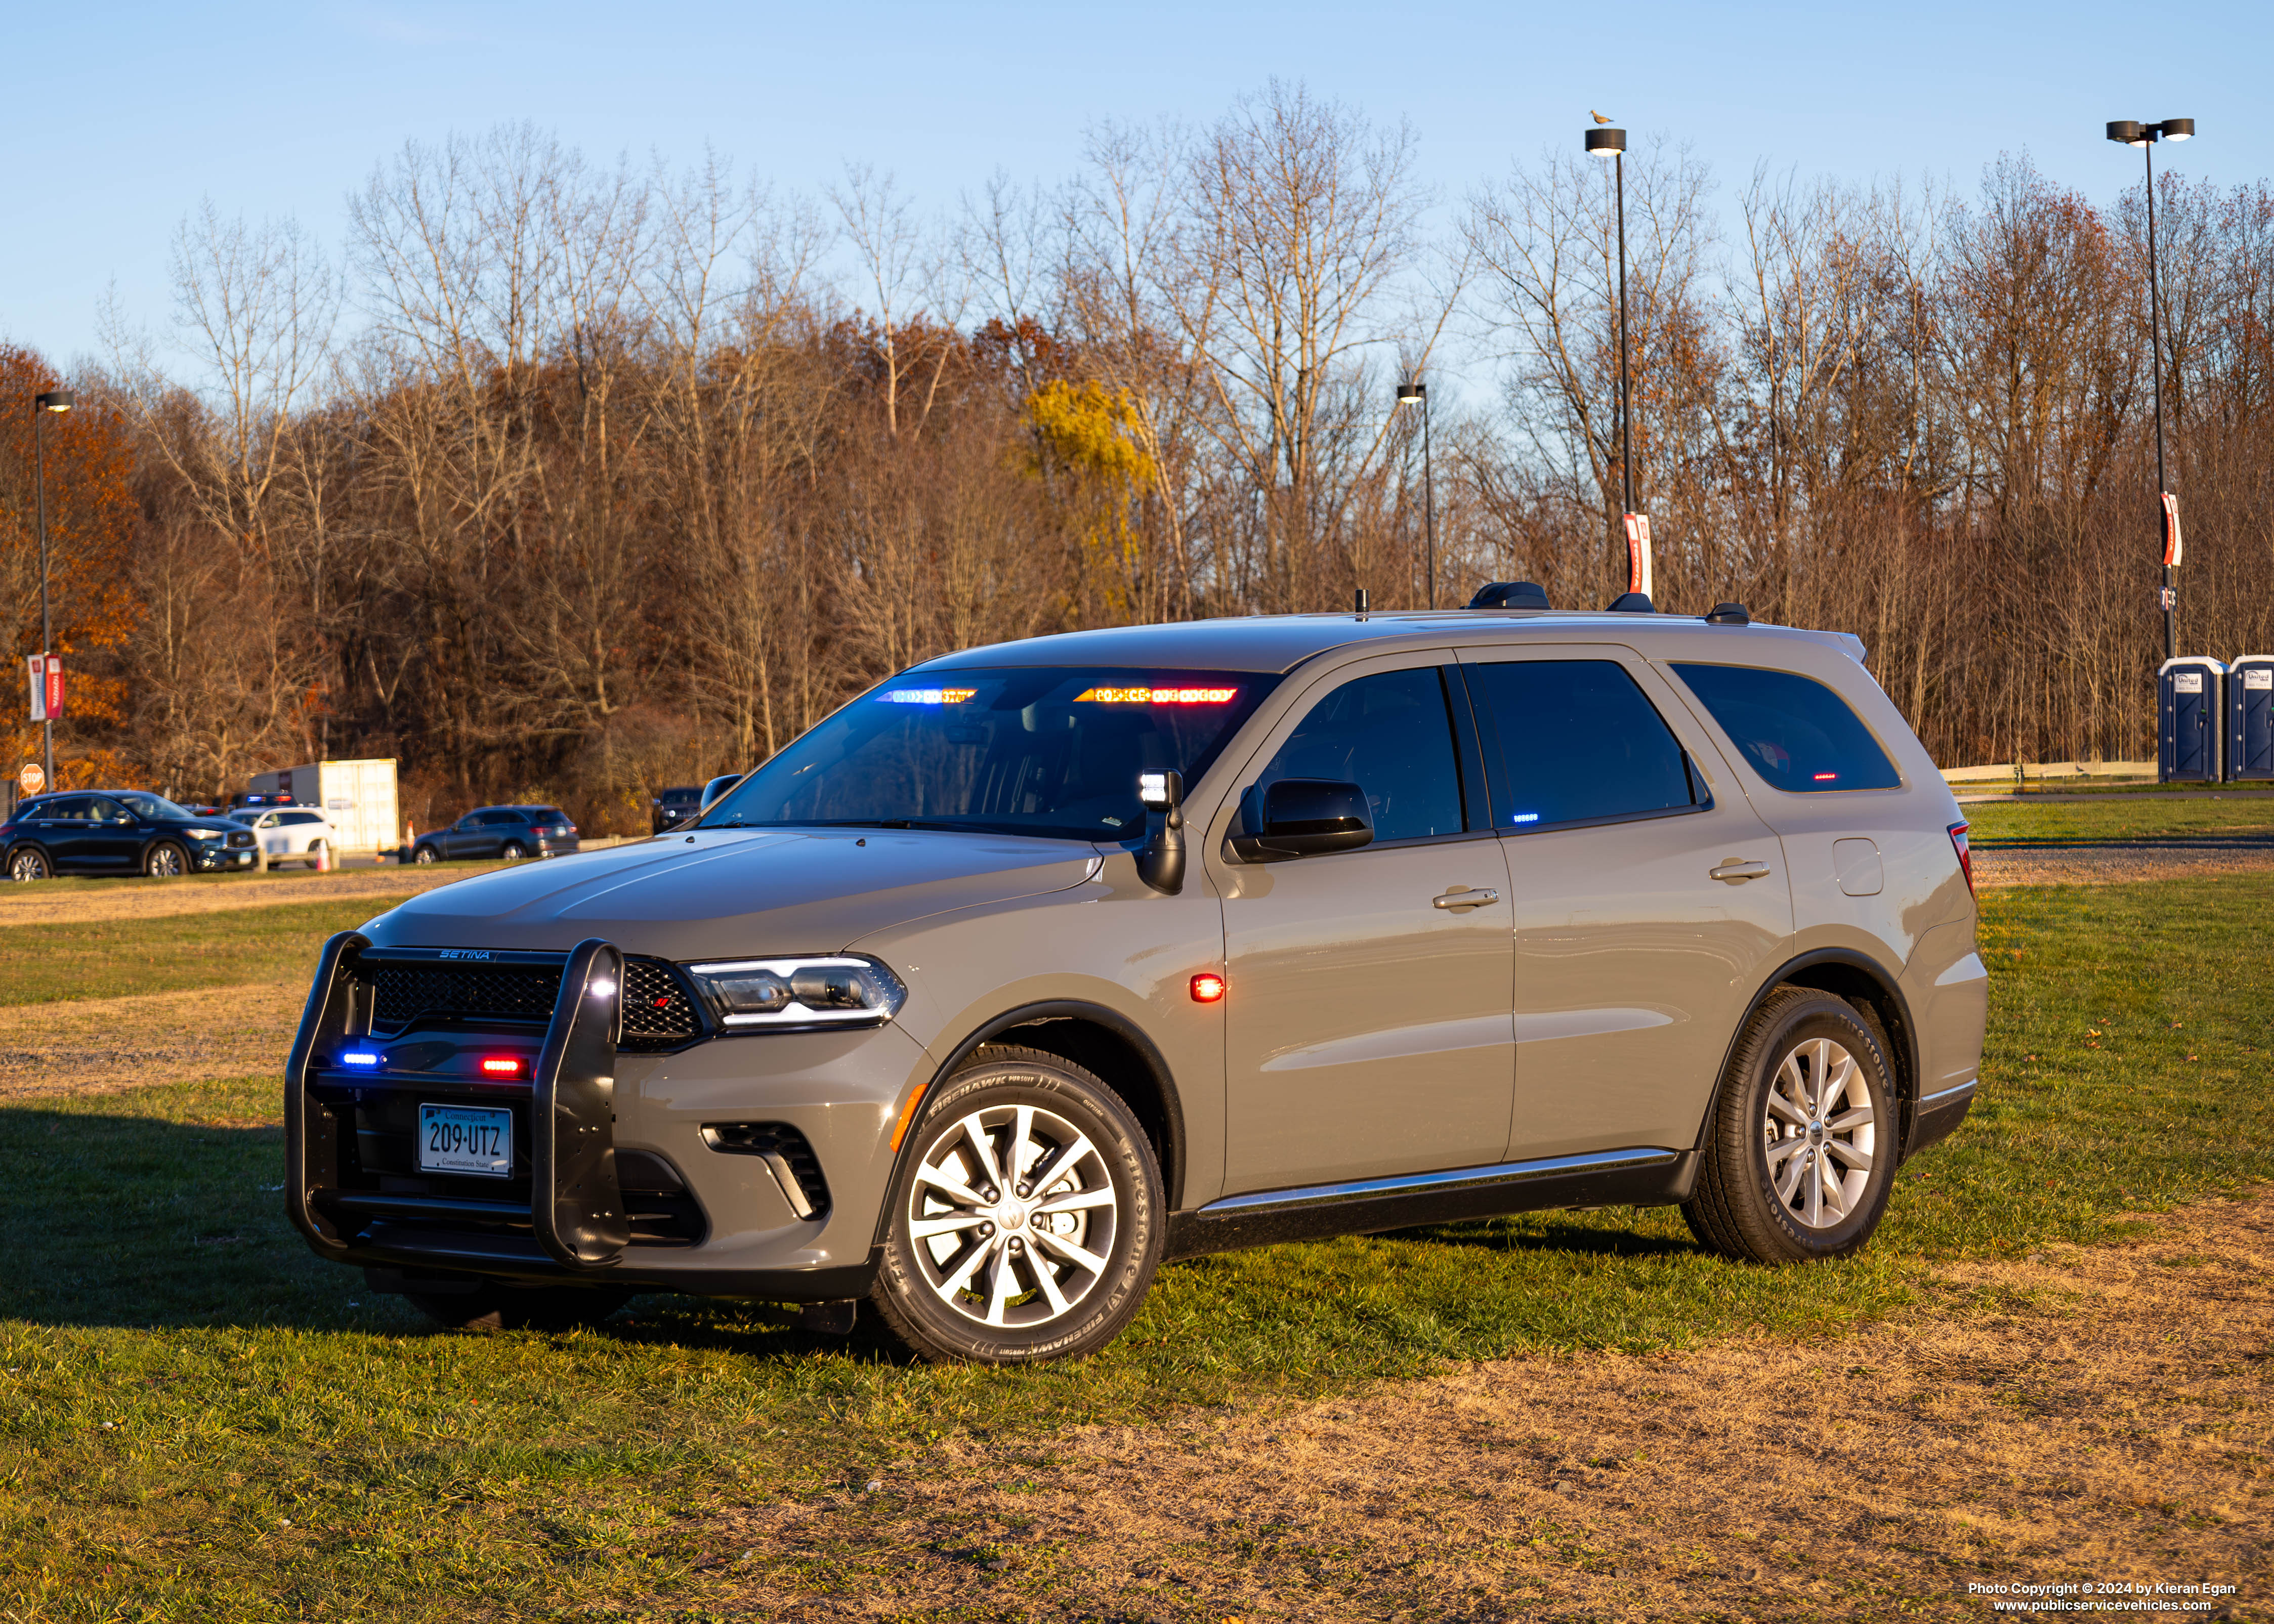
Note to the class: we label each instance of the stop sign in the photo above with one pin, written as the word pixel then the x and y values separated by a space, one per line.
pixel 32 779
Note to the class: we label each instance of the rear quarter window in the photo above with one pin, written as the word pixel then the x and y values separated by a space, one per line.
pixel 1794 731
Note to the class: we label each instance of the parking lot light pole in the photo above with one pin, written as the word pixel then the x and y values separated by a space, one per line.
pixel 1609 142
pixel 56 401
pixel 2130 133
pixel 1417 395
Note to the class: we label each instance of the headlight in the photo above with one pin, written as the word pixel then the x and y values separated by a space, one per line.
pixel 206 834
pixel 746 994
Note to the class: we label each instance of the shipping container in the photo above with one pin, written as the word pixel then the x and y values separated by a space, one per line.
pixel 357 796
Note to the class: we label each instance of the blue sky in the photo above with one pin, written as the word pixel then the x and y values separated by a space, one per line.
pixel 126 115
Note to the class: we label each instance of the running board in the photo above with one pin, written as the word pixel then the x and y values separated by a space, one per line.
pixel 1644 1175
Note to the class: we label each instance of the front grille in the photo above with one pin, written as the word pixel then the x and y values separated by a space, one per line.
pixel 657 1013
pixel 411 992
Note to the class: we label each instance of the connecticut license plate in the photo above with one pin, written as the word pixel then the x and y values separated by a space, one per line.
pixel 459 1139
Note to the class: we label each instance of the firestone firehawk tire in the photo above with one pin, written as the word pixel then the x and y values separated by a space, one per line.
pixel 1027 1220
pixel 1801 1156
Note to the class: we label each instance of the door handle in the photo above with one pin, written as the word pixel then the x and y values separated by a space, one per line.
pixel 1462 897
pixel 1737 870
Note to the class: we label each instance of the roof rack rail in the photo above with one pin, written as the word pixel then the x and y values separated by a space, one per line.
pixel 1510 595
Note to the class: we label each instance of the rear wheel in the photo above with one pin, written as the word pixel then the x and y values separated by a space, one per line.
pixel 315 853
pixel 26 863
pixel 490 1306
pixel 1027 1221
pixel 166 862
pixel 1803 1149
pixel 515 851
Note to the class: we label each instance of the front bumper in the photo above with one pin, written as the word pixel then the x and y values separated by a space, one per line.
pixel 217 857
pixel 690 1183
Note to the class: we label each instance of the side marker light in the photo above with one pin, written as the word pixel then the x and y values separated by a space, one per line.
pixel 1207 988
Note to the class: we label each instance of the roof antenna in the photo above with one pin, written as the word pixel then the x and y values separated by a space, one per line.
pixel 1361 601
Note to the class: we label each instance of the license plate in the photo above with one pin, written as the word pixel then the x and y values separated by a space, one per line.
pixel 458 1138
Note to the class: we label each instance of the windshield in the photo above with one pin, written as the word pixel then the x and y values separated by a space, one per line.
pixel 1052 751
pixel 144 804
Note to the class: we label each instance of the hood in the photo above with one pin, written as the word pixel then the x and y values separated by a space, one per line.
pixel 734 892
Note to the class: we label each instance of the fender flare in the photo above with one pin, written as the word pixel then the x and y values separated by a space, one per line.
pixel 1054 1009
pixel 1906 1060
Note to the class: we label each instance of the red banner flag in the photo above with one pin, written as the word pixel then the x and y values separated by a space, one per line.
pixel 2171 529
pixel 1639 554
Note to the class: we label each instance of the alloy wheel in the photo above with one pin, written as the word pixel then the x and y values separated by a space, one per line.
pixel 28 865
pixel 1819 1132
pixel 165 862
pixel 1012 1216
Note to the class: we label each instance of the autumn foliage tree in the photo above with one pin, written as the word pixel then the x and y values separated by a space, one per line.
pixel 93 524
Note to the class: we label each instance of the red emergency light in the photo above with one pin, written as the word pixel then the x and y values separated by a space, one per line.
pixel 501 1065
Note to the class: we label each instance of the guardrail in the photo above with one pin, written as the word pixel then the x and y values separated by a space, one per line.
pixel 2038 772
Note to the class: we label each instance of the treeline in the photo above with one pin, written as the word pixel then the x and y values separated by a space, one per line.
pixel 566 482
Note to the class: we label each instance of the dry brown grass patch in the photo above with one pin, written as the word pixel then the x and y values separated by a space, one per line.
pixel 2087 1413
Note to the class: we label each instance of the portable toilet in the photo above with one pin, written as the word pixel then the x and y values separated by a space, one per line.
pixel 2250 718
pixel 2190 720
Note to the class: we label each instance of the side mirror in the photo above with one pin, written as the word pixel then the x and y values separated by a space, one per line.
pixel 1161 860
pixel 1304 818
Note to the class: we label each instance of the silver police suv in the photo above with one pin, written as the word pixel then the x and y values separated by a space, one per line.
pixel 1038 965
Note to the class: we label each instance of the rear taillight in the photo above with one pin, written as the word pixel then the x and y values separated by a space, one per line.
pixel 1965 854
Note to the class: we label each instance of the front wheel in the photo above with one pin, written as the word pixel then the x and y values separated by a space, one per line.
pixel 1027 1221
pixel 26 863
pixel 425 854
pixel 166 862
pixel 1803 1150
pixel 315 853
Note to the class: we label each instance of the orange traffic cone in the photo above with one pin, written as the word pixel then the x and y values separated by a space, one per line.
pixel 324 858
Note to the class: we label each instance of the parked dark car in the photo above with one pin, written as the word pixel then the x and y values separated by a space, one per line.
pixel 677 805
pixel 494 833
pixel 119 832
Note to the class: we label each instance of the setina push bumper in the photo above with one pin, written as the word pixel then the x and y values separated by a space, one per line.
pixel 436 1136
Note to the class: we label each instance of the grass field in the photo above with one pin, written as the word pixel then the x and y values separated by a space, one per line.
pixel 45 964
pixel 198 1420
pixel 1997 822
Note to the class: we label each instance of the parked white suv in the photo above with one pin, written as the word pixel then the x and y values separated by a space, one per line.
pixel 287 833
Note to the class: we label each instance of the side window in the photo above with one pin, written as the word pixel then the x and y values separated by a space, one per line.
pixel 1392 735
pixel 1795 731
pixel 303 817
pixel 102 809
pixel 1574 742
pixel 77 807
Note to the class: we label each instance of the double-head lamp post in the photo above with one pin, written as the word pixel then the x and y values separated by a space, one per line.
pixel 1609 142
pixel 58 402
pixel 1417 395
pixel 2130 133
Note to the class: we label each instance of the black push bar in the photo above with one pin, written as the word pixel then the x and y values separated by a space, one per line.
pixel 576 1206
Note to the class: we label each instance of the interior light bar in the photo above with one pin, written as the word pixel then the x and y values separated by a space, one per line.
pixel 1157 695
pixel 927 696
